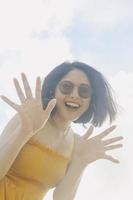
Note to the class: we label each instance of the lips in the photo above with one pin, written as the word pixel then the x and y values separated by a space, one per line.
pixel 72 105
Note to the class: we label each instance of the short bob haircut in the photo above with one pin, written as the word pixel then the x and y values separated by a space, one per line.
pixel 102 104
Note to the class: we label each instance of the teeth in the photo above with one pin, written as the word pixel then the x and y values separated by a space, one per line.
pixel 72 105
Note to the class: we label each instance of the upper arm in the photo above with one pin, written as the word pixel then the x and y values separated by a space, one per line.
pixel 11 127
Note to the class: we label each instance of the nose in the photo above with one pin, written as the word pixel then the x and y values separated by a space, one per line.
pixel 74 93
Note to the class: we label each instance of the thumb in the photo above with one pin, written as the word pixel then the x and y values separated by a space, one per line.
pixel 49 109
pixel 88 133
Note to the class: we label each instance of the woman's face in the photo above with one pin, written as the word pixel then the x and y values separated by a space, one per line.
pixel 72 95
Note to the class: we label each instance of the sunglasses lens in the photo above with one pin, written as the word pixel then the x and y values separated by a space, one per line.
pixel 85 91
pixel 66 87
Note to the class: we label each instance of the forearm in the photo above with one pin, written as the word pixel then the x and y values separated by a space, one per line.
pixel 12 139
pixel 67 188
pixel 9 149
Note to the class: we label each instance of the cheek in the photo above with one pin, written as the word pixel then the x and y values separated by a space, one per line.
pixel 59 97
pixel 58 94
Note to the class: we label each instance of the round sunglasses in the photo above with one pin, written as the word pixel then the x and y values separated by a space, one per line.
pixel 84 90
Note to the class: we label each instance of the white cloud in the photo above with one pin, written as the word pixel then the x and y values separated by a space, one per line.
pixel 19 19
pixel 31 38
pixel 105 15
pixel 122 82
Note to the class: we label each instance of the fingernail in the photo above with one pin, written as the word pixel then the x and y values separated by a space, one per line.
pixel 91 126
pixel 54 100
pixel 14 79
pixel 114 126
pixel 23 74
pixel 38 78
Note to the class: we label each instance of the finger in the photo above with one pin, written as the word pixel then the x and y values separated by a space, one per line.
pixel 109 141
pixel 49 109
pixel 108 157
pixel 11 103
pixel 111 147
pixel 88 133
pixel 19 90
pixel 38 88
pixel 27 88
pixel 106 132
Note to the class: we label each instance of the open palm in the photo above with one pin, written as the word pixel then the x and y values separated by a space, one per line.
pixel 88 149
pixel 31 111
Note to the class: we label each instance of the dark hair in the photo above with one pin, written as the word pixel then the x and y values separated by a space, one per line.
pixel 102 103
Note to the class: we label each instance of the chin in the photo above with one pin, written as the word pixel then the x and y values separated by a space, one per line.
pixel 71 118
pixel 69 114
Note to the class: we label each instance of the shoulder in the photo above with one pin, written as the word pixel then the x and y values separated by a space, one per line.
pixel 13 124
pixel 75 134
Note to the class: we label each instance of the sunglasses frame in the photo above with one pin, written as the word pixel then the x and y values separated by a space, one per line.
pixel 72 85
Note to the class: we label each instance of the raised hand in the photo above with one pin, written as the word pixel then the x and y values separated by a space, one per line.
pixel 31 111
pixel 88 150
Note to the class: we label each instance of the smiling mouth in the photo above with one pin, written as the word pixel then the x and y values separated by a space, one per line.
pixel 72 106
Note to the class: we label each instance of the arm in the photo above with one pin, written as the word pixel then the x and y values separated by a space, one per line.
pixel 31 118
pixel 11 142
pixel 67 188
pixel 86 151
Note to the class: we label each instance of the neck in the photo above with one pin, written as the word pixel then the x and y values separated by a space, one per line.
pixel 60 124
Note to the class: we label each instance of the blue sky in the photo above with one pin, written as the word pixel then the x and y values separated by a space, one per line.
pixel 37 35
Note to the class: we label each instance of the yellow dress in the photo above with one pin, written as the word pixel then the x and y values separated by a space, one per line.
pixel 36 170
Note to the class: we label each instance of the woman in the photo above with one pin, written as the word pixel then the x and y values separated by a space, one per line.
pixel 38 148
